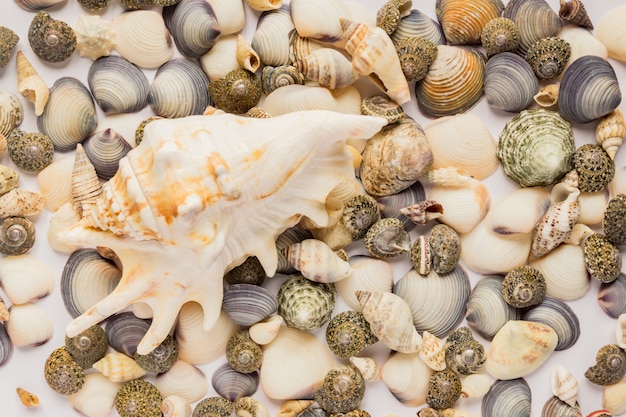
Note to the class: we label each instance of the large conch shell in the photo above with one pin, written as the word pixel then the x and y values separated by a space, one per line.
pixel 200 195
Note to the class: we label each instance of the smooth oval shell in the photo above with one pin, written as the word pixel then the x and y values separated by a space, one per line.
pixel 296 97
pixel 318 19
pixel 117 85
pixel 558 315
pixel 29 325
pixel 271 38
pixel 96 397
pixel 406 376
pixel 518 211
pixel 564 271
pixel 582 42
pixel 248 304
pixel 610 31
pixel 507 398
pixel 25 278
pixel 55 183
pixel 462 21
pixel 510 83
pixel 184 380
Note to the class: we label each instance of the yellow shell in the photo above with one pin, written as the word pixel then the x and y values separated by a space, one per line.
pixel 462 21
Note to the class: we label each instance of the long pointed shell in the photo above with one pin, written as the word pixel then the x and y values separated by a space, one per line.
pixel 119 368
pixel 86 188
pixel 96 397
pixel 30 84
pixel 564 385
pixel 318 262
pixel 25 278
pixel 611 32
pixel 406 376
pixel 184 380
pixel 29 325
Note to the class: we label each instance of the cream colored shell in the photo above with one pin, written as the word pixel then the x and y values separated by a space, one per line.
pixel 611 31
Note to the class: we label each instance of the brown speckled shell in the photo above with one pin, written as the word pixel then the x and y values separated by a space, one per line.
pixel 524 286
pixel 610 366
pixel 51 40
pixel 444 389
pixel 614 220
pixel 342 390
pixel 602 259
pixel 595 168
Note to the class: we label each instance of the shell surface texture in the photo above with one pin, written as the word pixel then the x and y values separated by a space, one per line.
pixel 192 223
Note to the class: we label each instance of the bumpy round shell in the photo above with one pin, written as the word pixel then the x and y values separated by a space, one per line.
pixel 359 214
pixel 214 407
pixel 416 55
pixel 31 152
pixel 237 92
pixel 51 40
pixel 465 356
pixel 610 366
pixel 62 373
pixel 8 40
pixel 595 168
pixel 249 272
pixel 381 106
pixel 304 304
pixel 138 398
pixel 342 390
pixel 500 35
pixel 94 5
pixel 88 347
pixel 548 57
pixel 444 389
pixel 445 245
pixel 524 286
pixel 614 220
pixel 242 353
pixel 17 235
pixel 348 333
pixel 162 357
pixel 602 259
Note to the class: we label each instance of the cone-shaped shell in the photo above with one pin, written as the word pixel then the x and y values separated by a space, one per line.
pixel 611 31
pixel 119 368
pixel 463 21
pixel 30 84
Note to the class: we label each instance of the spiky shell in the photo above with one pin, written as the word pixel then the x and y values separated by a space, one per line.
pixel 52 40
pixel 138 397
pixel 610 366
pixel 348 333
pixel 62 373
pixel 88 347
pixel 500 35
pixel 548 57
pixel 342 390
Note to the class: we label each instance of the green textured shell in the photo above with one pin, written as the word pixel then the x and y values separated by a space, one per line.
pixel 50 39
pixel 30 151
pixel 242 353
pixel 348 333
pixel 237 92
pixel 416 55
pixel 444 389
pixel 536 148
pixel 445 245
pixel 614 220
pixel 359 214
pixel 595 167
pixel 162 357
pixel 381 106
pixel 17 235
pixel 610 366
pixel 602 259
pixel 89 346
pixel 342 390
pixel 500 35
pixel 8 40
pixel 214 407
pixel 138 398
pixel 62 373
pixel 304 304
pixel 548 57
pixel 524 286
pixel 465 357
pixel 94 5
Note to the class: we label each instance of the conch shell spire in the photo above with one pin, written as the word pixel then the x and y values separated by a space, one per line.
pixel 200 195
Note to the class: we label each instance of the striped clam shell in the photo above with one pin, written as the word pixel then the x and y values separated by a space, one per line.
pixel 34 5
pixel 193 26
pixel 11 112
pixel 271 38
pixel 558 315
pixel 6 346
pixel 509 398
pixel 125 331
pixel 535 20
pixel 438 302
pixel 117 85
pixel 180 88
pixel 510 83
pixel 462 21
pixel 419 25
pixel 233 385
pixel 248 304
pixel 105 149
pixel 390 205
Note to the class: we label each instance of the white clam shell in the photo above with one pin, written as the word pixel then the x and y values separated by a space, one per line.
pixel 564 271
pixel 271 38
pixel 620 331
pixel 368 274
pixel 564 385
pixel 96 397
pixel 592 206
pixel 406 376
pixel 582 42
pixel 266 330
pixel 25 278
pixel 184 380
pixel 176 406
pixel 611 30
pixel 295 97
pixel 475 154
pixel 62 219
pixel 119 368
pixel 55 183
pixel 319 19
pixel 197 345
pixel 519 211
pixel 614 398
pixel 29 325
pixel 230 15
pixel 221 59
pixel 519 348
pixel 294 364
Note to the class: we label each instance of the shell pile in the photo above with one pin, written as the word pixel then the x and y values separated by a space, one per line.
pixel 449 208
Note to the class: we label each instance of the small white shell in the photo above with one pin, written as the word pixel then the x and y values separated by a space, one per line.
pixel 29 325
pixel 119 368
pixel 55 183
pixel 184 380
pixel 266 330
pixel 230 15
pixel 24 278
pixel 564 385
pixel 406 376
pixel 62 219
pixel 475 385
pixel 620 331
pixel 96 397
pixel 614 398
pixel 368 368
pixel 317 261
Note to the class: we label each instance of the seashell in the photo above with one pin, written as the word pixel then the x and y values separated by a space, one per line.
pixel 9 179
pixel 602 259
pixel 454 82
pixel 548 56
pixel 348 333
pixel 510 83
pixel 88 347
pixel 161 358
pixel 441 314
pixel 248 304
pixel 221 58
pixel 94 5
pixel 328 67
pixel 382 107
pixel 319 20
pixel 304 304
pixel 263 5
pixel 465 200
pixel 535 20
pixel 249 272
pixel 248 406
pixel 20 202
pixel 433 351
pixel 63 218
pixel 317 262
pixel 422 212
pixel 288 371
pixel 29 325
pixel 466 356
pixel 475 386
pixel 17 236
pixel 389 14
pixel 183 380
pixel 613 399
pixel 620 335
pixel 507 397
pixel 237 92
pixel 418 25
pixel 610 31
pixel 8 41
pixel 24 278
pixel 30 84
pixel 4 311
pixel 176 406
pixel 582 43
pixel 292 408
pixel 613 223
pixel 230 16
pixel 420 254
pixel 214 406
pixel 124 331
pixel 142 38
pixel 283 241
pixel 558 315
pixel 86 187
pixel 6 346
pixel 445 246
pixel 11 112
pixel 63 375
pixel 138 394
pixel 374 54
pixel 387 238
pixel 342 390
pixel 518 211
pixel 359 214
pixel 499 35
pixel 368 274
pixel 444 389
pixel 406 376
pixel 564 385
pixel 611 131
pixel 31 152
pixel 594 167
pixel 610 366
pixel 592 207
pixel 54 183
pixel 119 368
pixel 463 22
pixel 416 56
pixel 271 38
pixel 247 58
pixel 96 397
pixel 180 88
pixel 34 5
pixel 292 98
pixel 265 331
pixel 487 310
pixel 242 353
pixel 117 85
pixel 50 39
pixel 395 158
pixel 193 25
pixel 548 96
pixel 534 343
pixel 618 184
pixel 599 413
pixel 583 77
pixel 392 205
pixel 367 367
pixel 556 224
pixel 232 384
pixel 280 76
pixel 105 149
pixel 574 12
pixel 69 116
pixel 475 155
pixel 94 37
pixel 299 46
pixel 564 271
pixel 542 154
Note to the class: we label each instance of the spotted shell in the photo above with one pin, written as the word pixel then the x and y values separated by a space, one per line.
pixel 138 394
pixel 237 92
pixel 342 390
pixel 595 167
pixel 500 35
pixel 242 353
pixel 610 366
pixel 359 213
pixel 444 389
pixel 602 259
pixel 214 407
pixel 348 333
pixel 381 106
pixel 304 304
pixel 162 357
pixel 446 248
pixel 389 14
pixel 465 356
pixel 614 220
pixel 8 41
pixel 524 286
pixel 387 238
pixel 548 57
pixel 51 40
pixel 416 56
pixel 62 373
pixel 88 347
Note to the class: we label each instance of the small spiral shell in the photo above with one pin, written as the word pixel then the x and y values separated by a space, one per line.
pixel 237 92
pixel 17 235
pixel 548 57
pixel 51 40
pixel 610 366
pixel 88 347
pixel 348 333
pixel 595 168
pixel 138 397
pixel 162 357
pixel 242 353
pixel 611 131
pixel 524 286
pixel 500 35
pixel 342 390
pixel 279 76
pixel 444 389
pixel 62 373
pixel 31 152
pixel 416 55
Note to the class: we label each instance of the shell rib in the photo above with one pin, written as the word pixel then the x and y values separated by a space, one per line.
pixel 176 198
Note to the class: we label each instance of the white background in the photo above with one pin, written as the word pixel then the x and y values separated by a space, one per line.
pixel 25 367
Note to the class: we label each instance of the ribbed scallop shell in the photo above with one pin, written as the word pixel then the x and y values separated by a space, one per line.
pixel 535 20
pixel 536 147
pixel 474 155
pixel 420 25
pixel 142 38
pixel 248 304
pixel 193 26
pixel 438 302
pixel 582 42
pixel 406 376
pixel 454 82
pixel 614 399
pixel 593 82
pixel 560 317
pixel 296 97
pixel 69 116
pixel 34 5
pixel 610 31
pixel 510 398
pixel 117 85
pixel 462 21
pixel 271 38
pixel 180 88
pixel 510 82
pixel 232 385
